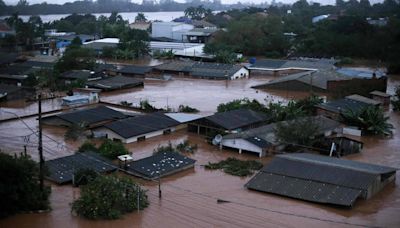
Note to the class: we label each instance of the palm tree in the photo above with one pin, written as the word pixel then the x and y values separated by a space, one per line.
pixel 370 119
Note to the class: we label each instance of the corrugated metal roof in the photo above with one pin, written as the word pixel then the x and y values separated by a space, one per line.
pixel 317 178
pixel 304 189
pixel 62 169
pixel 363 99
pixel 340 105
pixel 184 117
pixel 115 82
pixel 91 116
pixel 140 125
pixel 160 164
pixel 237 118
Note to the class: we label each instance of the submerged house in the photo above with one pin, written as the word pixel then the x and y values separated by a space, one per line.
pixel 218 71
pixel 262 140
pixel 115 83
pixel 228 122
pixel 159 165
pixel 138 128
pixel 334 109
pixel 90 118
pixel 321 179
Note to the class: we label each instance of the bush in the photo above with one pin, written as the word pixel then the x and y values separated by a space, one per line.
pixel 19 186
pixel 84 176
pixel 236 167
pixel 186 147
pixel 75 131
pixel 145 105
pixel 109 197
pixel 162 149
pixel 112 149
pixel 187 109
pixel 87 146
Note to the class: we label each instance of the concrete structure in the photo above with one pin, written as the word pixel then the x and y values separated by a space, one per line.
pixel 172 30
pixel 92 94
pixel 382 97
pixel 322 179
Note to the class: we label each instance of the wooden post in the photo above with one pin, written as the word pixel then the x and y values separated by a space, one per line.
pixel 40 148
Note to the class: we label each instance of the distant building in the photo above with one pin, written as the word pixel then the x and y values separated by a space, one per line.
pixel 98 45
pixel 321 179
pixel 202 70
pixel 380 22
pixel 72 76
pixel 92 94
pixel 200 35
pixel 115 83
pixel 172 30
pixel 140 25
pixel 132 70
pixel 5 30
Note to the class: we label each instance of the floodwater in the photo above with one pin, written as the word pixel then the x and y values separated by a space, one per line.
pixel 189 199
pixel 130 16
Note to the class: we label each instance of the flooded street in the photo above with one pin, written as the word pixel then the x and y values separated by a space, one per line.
pixel 189 199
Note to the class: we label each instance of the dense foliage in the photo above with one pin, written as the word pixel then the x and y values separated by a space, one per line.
pixel 76 58
pixel 84 176
pixel 187 109
pixel 182 147
pixel 88 146
pixel 297 133
pixel 276 111
pixel 236 167
pixel 370 119
pixel 19 186
pixel 112 149
pixel 109 197
pixel 75 132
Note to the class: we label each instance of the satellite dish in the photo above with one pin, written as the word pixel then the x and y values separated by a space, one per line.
pixel 217 140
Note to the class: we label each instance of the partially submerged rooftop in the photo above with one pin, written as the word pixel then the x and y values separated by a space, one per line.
pixel 160 165
pixel 321 179
pixel 114 83
pixel 88 116
pixel 62 169
pixel 236 119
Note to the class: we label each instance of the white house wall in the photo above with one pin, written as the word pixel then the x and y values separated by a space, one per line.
pixel 113 135
pixel 242 144
pixel 242 73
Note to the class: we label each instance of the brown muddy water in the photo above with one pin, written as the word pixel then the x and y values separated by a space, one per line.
pixel 189 199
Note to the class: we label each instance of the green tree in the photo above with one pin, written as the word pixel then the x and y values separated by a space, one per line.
pixel 75 132
pixel 111 149
pixel 140 17
pixel 298 132
pixel 370 119
pixel 109 197
pixel 19 186
pixel 76 59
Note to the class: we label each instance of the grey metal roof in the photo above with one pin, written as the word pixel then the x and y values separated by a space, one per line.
pixel 16 69
pixel 214 70
pixel 348 164
pixel 258 141
pixel 132 69
pixel 160 164
pixel 140 125
pixel 317 178
pixel 237 118
pixel 363 99
pixel 182 66
pixel 38 64
pixel 340 105
pixel 379 93
pixel 6 58
pixel 115 82
pixel 62 169
pixel 91 116
pixel 317 79
pixel 268 63
pixel 5 88
pixel 76 74
pixel 304 189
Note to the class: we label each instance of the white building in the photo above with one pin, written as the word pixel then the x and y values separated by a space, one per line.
pixel 172 30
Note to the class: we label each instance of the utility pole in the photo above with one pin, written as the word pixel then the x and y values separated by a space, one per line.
pixel 40 148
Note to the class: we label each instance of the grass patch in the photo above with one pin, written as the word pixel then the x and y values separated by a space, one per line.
pixel 236 167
